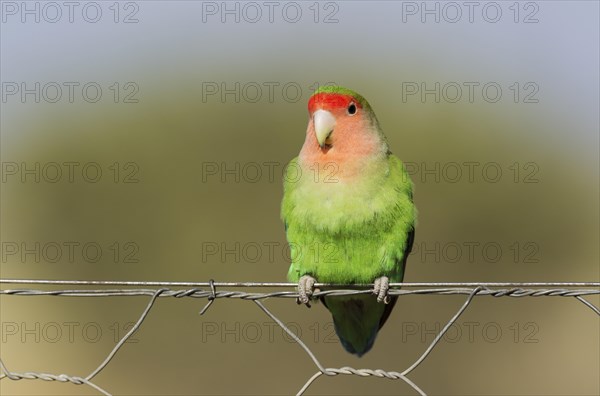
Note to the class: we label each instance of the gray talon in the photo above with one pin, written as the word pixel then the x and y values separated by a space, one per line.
pixel 381 288
pixel 306 286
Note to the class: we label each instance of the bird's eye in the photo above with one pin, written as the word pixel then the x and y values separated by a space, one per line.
pixel 352 109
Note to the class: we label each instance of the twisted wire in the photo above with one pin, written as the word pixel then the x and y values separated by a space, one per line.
pixel 194 290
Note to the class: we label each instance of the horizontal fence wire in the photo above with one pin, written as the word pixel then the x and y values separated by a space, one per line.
pixel 211 291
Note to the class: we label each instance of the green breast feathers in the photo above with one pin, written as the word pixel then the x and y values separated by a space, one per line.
pixel 348 230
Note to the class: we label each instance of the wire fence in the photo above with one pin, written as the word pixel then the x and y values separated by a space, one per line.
pixel 212 291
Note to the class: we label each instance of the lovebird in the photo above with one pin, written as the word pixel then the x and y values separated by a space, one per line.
pixel 348 213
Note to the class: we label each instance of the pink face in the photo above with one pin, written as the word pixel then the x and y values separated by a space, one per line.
pixel 339 130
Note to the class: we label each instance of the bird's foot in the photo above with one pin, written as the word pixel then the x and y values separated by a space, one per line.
pixel 306 288
pixel 381 288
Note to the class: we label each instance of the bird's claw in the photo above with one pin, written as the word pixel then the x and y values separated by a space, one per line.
pixel 381 288
pixel 306 288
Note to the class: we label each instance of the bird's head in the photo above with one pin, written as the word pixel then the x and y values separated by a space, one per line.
pixel 343 123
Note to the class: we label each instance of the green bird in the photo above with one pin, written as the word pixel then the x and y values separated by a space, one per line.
pixel 349 214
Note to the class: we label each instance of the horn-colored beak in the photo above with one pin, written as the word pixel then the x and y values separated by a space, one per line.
pixel 324 122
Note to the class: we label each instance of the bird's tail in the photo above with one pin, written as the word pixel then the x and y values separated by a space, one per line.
pixel 357 320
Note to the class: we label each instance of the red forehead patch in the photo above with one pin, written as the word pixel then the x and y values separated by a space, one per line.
pixel 330 101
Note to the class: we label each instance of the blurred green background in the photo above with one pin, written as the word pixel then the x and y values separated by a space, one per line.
pixel 191 185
